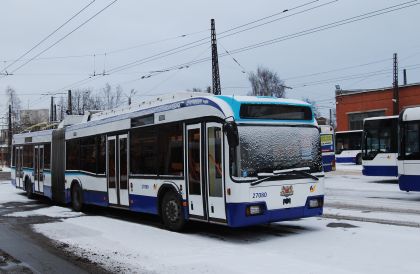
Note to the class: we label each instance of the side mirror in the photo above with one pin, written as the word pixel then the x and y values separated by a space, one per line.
pixel 231 130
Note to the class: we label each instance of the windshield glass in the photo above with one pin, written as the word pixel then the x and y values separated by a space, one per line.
pixel 348 141
pixel 269 148
pixel 380 136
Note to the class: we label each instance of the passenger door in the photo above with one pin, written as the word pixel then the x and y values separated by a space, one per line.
pixel 39 168
pixel 117 170
pixel 19 160
pixel 194 171
pixel 215 178
pixel 205 172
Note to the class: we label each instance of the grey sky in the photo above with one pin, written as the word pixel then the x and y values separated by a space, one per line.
pixel 129 23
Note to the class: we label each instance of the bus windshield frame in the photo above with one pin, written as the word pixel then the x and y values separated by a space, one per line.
pixel 307 155
pixel 351 140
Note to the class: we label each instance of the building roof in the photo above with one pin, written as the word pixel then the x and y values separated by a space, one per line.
pixel 342 92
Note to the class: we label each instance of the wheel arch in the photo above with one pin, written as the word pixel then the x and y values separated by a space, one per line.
pixel 165 188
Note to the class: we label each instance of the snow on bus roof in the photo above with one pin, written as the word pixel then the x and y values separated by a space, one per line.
pixel 381 118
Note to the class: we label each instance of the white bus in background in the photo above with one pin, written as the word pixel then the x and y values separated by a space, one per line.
pixel 380 146
pixel 231 160
pixel 409 152
pixel 327 146
pixel 348 146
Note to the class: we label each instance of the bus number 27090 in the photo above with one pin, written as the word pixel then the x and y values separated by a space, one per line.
pixel 259 195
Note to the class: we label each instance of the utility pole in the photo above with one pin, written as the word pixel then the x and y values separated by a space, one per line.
pixel 55 112
pixel 396 100
pixel 52 109
pixel 9 136
pixel 69 106
pixel 405 77
pixel 331 117
pixel 215 61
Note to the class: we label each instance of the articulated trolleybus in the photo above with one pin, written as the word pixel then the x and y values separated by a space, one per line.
pixel 348 147
pixel 327 146
pixel 409 150
pixel 380 146
pixel 232 160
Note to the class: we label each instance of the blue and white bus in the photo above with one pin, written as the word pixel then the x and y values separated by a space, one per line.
pixel 232 160
pixel 348 147
pixel 380 146
pixel 327 147
pixel 409 150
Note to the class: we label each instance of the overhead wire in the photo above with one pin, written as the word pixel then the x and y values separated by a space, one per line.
pixel 65 36
pixel 48 36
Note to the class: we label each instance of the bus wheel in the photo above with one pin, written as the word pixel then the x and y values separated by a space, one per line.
pixel 76 198
pixel 359 159
pixel 28 188
pixel 172 212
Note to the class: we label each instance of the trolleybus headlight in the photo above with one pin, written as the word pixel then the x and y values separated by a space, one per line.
pixel 254 210
pixel 313 203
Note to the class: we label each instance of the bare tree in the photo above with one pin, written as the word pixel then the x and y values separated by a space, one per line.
pixel 315 108
pixel 14 101
pixel 266 83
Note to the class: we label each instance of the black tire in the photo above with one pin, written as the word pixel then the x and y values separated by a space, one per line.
pixel 359 159
pixel 172 212
pixel 28 188
pixel 76 198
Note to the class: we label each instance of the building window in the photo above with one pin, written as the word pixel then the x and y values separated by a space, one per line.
pixel 356 119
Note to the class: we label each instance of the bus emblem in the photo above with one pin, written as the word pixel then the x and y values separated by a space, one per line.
pixel 286 191
pixel 312 188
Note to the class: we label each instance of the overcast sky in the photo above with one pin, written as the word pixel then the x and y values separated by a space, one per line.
pixel 131 30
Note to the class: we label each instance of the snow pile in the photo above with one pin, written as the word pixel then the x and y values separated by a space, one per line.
pixel 307 246
pixel 8 193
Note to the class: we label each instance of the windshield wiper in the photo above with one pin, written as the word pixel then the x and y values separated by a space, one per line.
pixel 282 172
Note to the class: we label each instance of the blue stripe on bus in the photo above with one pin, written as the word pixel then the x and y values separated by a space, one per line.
pixel 144 204
pixel 409 182
pixel 236 214
pixel 391 171
pixel 345 159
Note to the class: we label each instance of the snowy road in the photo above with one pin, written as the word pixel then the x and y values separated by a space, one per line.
pixel 352 196
pixel 128 242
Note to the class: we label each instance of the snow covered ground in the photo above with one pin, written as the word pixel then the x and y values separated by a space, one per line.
pixel 314 245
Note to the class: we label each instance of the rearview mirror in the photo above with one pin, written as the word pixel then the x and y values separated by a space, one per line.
pixel 232 135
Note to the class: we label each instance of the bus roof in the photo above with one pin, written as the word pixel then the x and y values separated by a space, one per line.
pixel 411 114
pixel 381 118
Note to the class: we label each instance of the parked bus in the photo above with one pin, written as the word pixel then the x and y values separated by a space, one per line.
pixel 409 150
pixel 348 147
pixel 232 160
pixel 380 146
pixel 327 146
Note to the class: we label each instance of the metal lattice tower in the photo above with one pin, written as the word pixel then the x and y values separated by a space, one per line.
pixel 396 100
pixel 217 90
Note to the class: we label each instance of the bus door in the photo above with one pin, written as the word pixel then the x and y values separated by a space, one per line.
pixel 205 172
pixel 39 168
pixel 19 161
pixel 117 169
pixel 214 168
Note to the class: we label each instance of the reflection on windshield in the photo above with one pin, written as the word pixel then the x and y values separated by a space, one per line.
pixel 348 141
pixel 268 148
pixel 380 136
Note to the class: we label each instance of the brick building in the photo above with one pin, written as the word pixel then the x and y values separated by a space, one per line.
pixel 352 106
